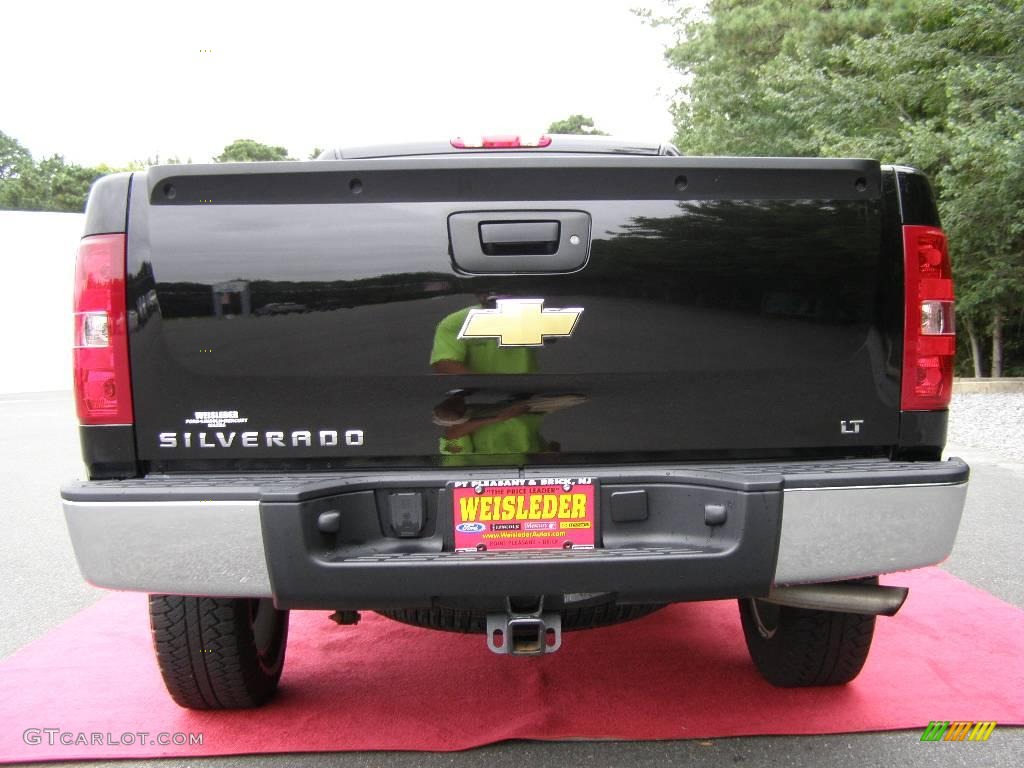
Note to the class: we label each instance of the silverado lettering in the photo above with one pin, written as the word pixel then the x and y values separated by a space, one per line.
pixel 299 438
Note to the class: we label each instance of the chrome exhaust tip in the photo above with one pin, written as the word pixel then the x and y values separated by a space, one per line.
pixel 869 599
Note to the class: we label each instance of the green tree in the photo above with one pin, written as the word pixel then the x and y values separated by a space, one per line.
pixel 247 150
pixel 578 124
pixel 65 185
pixel 14 158
pixel 938 84
pixel 982 180
pixel 49 185
pixel 52 184
pixel 23 192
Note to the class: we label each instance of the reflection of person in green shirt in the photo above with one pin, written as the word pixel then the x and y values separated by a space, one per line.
pixel 506 429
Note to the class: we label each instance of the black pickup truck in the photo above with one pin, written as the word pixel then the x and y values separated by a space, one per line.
pixel 511 387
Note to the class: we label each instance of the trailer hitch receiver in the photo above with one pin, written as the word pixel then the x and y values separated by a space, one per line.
pixel 524 629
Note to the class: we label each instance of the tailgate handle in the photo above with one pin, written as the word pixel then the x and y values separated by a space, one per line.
pixel 518 242
pixel 525 238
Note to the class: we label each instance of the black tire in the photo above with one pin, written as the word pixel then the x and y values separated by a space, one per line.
pixel 218 652
pixel 475 622
pixel 797 647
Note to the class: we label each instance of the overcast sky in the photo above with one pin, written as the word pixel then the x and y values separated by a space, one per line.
pixel 114 82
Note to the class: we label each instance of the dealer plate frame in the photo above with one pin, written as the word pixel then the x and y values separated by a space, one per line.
pixel 587 485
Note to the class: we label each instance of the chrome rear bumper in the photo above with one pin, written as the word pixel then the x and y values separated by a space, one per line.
pixel 161 535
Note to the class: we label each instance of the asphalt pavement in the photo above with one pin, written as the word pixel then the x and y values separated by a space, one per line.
pixel 42 588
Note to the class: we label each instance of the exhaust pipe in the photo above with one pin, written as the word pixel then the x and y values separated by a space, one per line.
pixel 846 598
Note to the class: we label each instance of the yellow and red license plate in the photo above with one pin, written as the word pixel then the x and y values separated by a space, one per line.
pixel 524 513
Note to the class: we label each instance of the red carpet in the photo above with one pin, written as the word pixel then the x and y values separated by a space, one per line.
pixel 953 653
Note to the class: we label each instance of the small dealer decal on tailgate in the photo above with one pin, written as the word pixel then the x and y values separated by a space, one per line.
pixel 546 513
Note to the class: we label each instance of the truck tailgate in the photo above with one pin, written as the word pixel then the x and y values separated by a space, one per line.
pixel 302 313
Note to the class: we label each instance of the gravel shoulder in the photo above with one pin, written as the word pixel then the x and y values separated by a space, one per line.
pixel 991 422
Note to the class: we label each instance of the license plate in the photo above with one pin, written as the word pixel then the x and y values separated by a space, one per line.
pixel 517 514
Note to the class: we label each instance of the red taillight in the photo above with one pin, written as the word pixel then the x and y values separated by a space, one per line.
pixel 929 335
pixel 103 390
pixel 501 142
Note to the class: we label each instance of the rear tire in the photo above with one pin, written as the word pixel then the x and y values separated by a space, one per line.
pixel 217 652
pixel 797 647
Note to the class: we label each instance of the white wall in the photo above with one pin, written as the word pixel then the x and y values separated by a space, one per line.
pixel 37 259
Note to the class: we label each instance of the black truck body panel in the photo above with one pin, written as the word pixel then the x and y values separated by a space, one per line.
pixel 107 209
pixel 179 317
pixel 733 308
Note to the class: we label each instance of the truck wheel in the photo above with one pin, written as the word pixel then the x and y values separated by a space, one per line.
pixel 475 622
pixel 218 652
pixel 797 647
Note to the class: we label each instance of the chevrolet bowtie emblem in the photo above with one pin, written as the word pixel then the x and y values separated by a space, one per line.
pixel 520 322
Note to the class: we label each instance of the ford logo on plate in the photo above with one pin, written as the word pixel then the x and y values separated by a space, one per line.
pixel 470 527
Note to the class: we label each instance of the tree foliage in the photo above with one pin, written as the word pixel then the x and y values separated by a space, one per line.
pixel 938 84
pixel 14 158
pixel 247 150
pixel 578 124
pixel 52 184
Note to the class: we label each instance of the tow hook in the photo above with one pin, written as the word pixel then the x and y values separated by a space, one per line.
pixel 524 629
